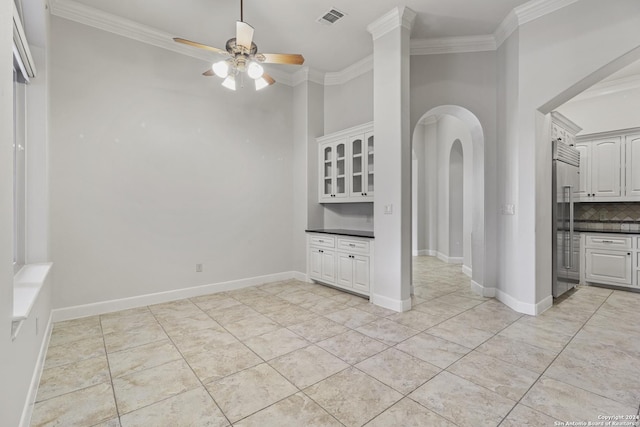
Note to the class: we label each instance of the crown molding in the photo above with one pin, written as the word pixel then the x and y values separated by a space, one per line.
pixel 93 17
pixel 453 45
pixel 527 12
pixel 400 16
pixel 608 88
pixel 306 74
pixel 351 72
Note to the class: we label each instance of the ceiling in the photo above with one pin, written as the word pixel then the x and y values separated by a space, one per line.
pixel 289 26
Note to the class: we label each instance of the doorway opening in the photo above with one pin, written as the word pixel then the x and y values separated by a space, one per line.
pixel 448 201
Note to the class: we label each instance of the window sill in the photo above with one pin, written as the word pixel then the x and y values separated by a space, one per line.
pixel 26 287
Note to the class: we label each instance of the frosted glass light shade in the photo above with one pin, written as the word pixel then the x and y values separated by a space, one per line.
pixel 255 70
pixel 230 82
pixel 261 83
pixel 221 68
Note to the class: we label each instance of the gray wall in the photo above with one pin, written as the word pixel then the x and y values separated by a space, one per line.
pixel 349 104
pixel 155 168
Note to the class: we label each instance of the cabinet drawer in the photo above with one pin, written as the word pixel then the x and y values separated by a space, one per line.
pixel 322 240
pixel 353 245
pixel 608 242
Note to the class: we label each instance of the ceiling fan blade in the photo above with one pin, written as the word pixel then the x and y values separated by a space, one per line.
pixel 268 78
pixel 200 45
pixel 209 73
pixel 244 35
pixel 280 58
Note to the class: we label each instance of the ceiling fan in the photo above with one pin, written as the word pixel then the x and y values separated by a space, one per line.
pixel 242 56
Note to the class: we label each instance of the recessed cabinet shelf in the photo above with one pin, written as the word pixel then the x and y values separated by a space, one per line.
pixel 348 177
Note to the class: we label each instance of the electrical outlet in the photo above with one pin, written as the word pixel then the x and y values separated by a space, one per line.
pixel 198 268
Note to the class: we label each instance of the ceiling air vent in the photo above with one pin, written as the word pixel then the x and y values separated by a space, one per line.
pixel 330 17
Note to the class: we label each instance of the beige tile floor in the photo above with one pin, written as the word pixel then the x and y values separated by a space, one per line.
pixel 299 354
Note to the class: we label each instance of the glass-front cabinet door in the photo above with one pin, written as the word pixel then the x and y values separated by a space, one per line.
pixel 369 165
pixel 357 166
pixel 333 167
pixel 361 174
pixel 327 169
pixel 340 189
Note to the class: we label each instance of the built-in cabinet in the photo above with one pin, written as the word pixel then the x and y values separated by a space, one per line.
pixel 609 166
pixel 341 261
pixel 346 169
pixel 612 259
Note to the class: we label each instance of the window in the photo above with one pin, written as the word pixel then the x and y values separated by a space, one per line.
pixel 19 167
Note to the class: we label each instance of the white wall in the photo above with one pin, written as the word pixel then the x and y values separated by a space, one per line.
pixel 155 168
pixel 456 202
pixel 613 111
pixel 356 216
pixel 349 104
pixel 433 143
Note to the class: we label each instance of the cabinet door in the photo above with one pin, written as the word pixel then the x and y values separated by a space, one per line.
pixel 328 266
pixel 357 175
pixel 368 190
pixel 609 267
pixel 315 263
pixel 361 273
pixel 345 270
pixel 632 166
pixel 327 171
pixel 340 189
pixel 585 171
pixel 606 155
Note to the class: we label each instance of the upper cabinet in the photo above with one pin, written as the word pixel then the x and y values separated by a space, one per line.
pixel 610 166
pixel 346 171
pixel 600 163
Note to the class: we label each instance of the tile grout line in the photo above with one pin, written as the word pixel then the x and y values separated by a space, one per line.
pixel 551 363
pixel 184 359
pixel 106 356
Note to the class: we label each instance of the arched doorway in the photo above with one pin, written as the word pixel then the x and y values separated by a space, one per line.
pixel 456 168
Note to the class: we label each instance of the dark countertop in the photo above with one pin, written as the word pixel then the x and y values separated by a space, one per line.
pixel 342 232
pixel 606 231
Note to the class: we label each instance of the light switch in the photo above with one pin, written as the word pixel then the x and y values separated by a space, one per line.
pixel 388 209
pixel 508 209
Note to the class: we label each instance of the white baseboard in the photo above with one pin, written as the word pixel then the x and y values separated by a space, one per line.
pixel 466 270
pixel 303 277
pixel 103 307
pixel 517 305
pixel 449 259
pixel 390 303
pixel 27 411
pixel 482 291
pixel 424 252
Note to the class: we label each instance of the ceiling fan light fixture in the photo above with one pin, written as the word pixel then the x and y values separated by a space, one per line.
pixel 221 68
pixel 255 70
pixel 230 82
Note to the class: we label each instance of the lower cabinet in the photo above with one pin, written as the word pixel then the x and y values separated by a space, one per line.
pixel 608 266
pixel 611 259
pixel 341 261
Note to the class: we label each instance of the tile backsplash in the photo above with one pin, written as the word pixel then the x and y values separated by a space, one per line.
pixel 610 212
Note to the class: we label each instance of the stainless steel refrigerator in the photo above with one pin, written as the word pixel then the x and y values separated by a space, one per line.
pixel 566 243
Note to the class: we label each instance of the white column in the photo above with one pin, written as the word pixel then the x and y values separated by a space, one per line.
pixel 392 200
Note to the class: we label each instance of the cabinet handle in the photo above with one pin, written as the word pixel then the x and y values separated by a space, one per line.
pixel 321 251
pixel 607 241
pixel 352 245
pixel 628 253
pixel 321 241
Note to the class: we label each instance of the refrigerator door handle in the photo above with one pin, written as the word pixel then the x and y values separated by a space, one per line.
pixel 570 246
